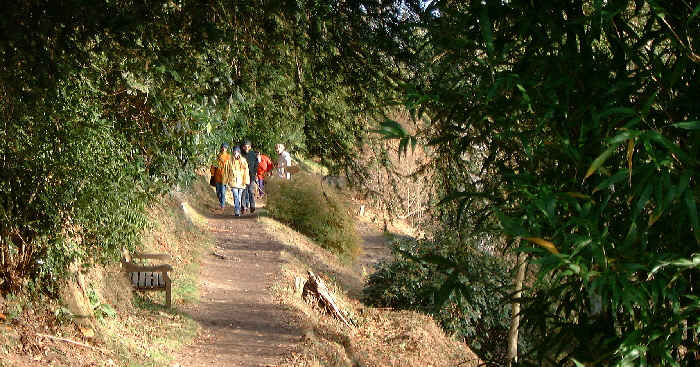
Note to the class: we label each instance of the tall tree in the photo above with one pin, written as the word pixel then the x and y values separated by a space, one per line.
pixel 107 104
pixel 573 126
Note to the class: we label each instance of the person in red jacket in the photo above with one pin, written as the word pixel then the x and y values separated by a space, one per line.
pixel 264 166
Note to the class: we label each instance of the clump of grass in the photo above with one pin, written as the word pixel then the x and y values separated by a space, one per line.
pixel 323 215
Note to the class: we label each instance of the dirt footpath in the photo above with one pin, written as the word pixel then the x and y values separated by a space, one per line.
pixel 241 325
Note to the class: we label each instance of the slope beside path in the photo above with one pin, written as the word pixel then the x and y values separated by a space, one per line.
pixel 241 323
pixel 251 312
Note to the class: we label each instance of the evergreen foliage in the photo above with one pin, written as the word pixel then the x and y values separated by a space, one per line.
pixel 567 130
pixel 574 127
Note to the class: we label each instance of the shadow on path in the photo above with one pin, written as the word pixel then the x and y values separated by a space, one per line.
pixel 241 324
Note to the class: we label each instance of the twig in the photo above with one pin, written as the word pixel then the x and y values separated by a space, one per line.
pixel 472 360
pixel 104 351
pixel 412 213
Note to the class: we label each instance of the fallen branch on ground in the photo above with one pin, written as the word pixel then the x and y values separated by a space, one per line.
pixel 316 288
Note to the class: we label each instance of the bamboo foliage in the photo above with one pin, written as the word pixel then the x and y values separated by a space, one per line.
pixel 584 120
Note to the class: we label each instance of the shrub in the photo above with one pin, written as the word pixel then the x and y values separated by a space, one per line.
pixel 320 214
pixel 478 311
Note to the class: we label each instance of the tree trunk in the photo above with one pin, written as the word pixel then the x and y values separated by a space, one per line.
pixel 515 321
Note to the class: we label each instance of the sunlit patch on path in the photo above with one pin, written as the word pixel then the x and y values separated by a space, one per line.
pixel 241 324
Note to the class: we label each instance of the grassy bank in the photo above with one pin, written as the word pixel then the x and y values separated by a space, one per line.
pixel 380 337
pixel 117 327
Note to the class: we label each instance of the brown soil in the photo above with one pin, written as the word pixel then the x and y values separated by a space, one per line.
pixel 251 312
pixel 381 336
pixel 241 323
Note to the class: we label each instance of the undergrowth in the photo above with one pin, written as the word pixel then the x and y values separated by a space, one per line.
pixel 381 337
pixel 174 230
pixel 478 312
pixel 134 328
pixel 320 214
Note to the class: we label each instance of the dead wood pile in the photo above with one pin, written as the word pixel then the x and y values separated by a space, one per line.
pixel 316 288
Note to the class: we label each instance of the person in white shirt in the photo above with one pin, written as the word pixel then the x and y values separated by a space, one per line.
pixel 284 161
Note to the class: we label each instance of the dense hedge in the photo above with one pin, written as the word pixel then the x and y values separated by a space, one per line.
pixel 570 130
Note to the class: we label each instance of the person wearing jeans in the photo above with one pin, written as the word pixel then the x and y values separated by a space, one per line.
pixel 222 173
pixel 240 178
pixel 249 192
pixel 265 165
pixel 237 194
pixel 221 195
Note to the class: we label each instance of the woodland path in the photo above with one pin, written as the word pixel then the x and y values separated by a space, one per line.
pixel 241 324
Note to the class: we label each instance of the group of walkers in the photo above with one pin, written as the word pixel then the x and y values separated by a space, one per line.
pixel 244 171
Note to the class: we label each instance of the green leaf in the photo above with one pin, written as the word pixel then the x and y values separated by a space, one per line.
pixel 513 226
pixel 443 294
pixel 684 181
pixel 624 136
pixel 695 13
pixel 693 214
pixel 617 177
pixel 403 146
pixel 648 103
pixel 643 200
pixel 600 160
pixel 175 75
pixel 688 125
pixel 682 264
pixel 624 111
pixel 391 129
pixel 666 143
pixel 486 32
pixel 414 142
